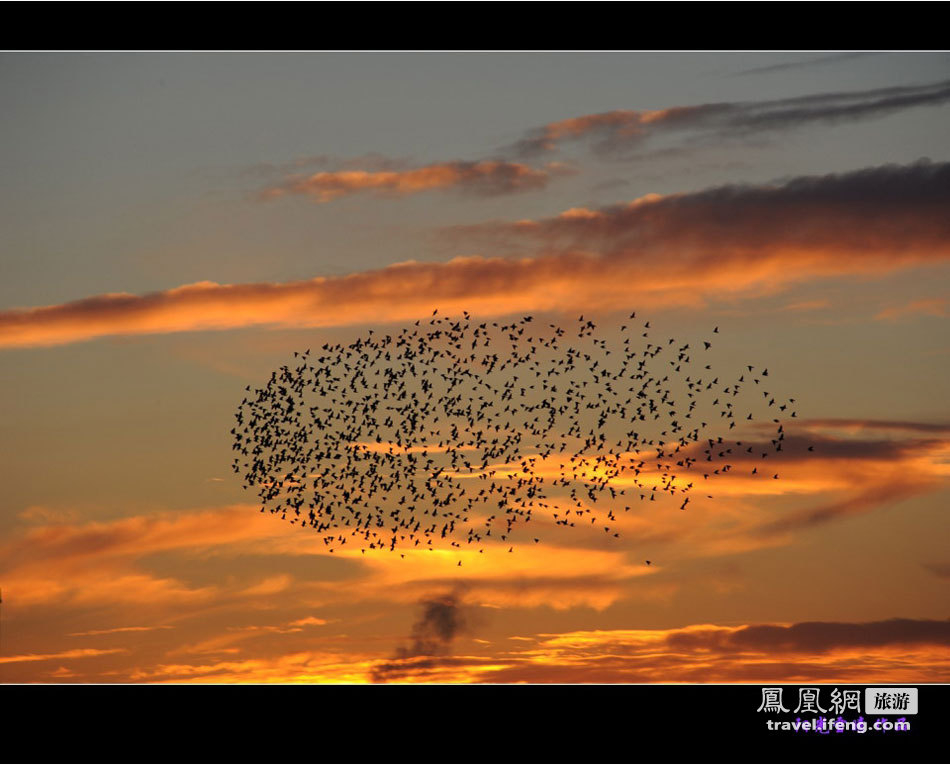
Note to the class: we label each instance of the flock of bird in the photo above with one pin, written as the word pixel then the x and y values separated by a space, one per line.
pixel 453 431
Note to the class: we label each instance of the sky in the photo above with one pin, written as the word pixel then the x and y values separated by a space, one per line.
pixel 175 226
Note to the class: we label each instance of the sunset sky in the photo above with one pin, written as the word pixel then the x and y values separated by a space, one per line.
pixel 173 227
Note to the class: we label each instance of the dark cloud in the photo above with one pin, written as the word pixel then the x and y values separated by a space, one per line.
pixel 675 250
pixel 610 184
pixel 837 107
pixel 760 652
pixel 442 619
pixel 855 505
pixel 622 130
pixel 801 64
pixel 874 471
pixel 894 425
pixel 795 446
pixel 880 494
pixel 941 570
pixel 847 215
pixel 815 637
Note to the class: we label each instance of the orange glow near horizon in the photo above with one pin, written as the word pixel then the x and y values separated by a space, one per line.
pixel 474 368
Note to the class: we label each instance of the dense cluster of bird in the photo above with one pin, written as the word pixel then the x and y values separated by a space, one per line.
pixel 453 431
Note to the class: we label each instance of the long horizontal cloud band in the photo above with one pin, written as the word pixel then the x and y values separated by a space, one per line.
pixel 816 636
pixel 655 252
pixel 486 177
pixel 623 129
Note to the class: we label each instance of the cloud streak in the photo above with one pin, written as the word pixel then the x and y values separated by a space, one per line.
pixel 938 307
pixel 78 653
pixel 891 650
pixel 485 177
pixel 615 132
pixel 118 629
pixel 658 251
pixel 802 63
pixel 96 563
pixel 815 637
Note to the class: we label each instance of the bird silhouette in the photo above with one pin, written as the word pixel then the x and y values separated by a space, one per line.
pixel 453 431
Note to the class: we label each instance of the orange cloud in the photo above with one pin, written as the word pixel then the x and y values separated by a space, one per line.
pixel 77 653
pixel 270 586
pixel 847 474
pixel 484 177
pixel 894 650
pixel 620 128
pixel 96 562
pixel 119 629
pixel 677 250
pixel 100 563
pixel 308 667
pixel 138 535
pixel 227 642
pixel 856 466
pixel 499 579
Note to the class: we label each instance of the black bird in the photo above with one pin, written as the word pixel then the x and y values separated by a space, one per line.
pixel 445 433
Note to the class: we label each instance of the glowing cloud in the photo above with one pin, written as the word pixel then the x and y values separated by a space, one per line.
pixel 677 250
pixel 485 177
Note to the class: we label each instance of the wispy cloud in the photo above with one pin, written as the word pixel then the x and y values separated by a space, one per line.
pixel 484 177
pixel 119 629
pixel 939 307
pixel 658 251
pixel 77 653
pixel 620 131
pixel 856 425
pixel 300 667
pixel 99 563
pixel 857 466
pixel 802 63
pixel 892 650
pixel 815 637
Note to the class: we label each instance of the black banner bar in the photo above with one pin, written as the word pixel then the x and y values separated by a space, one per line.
pixel 446 724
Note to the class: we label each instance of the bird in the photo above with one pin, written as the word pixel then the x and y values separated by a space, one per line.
pixel 445 432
